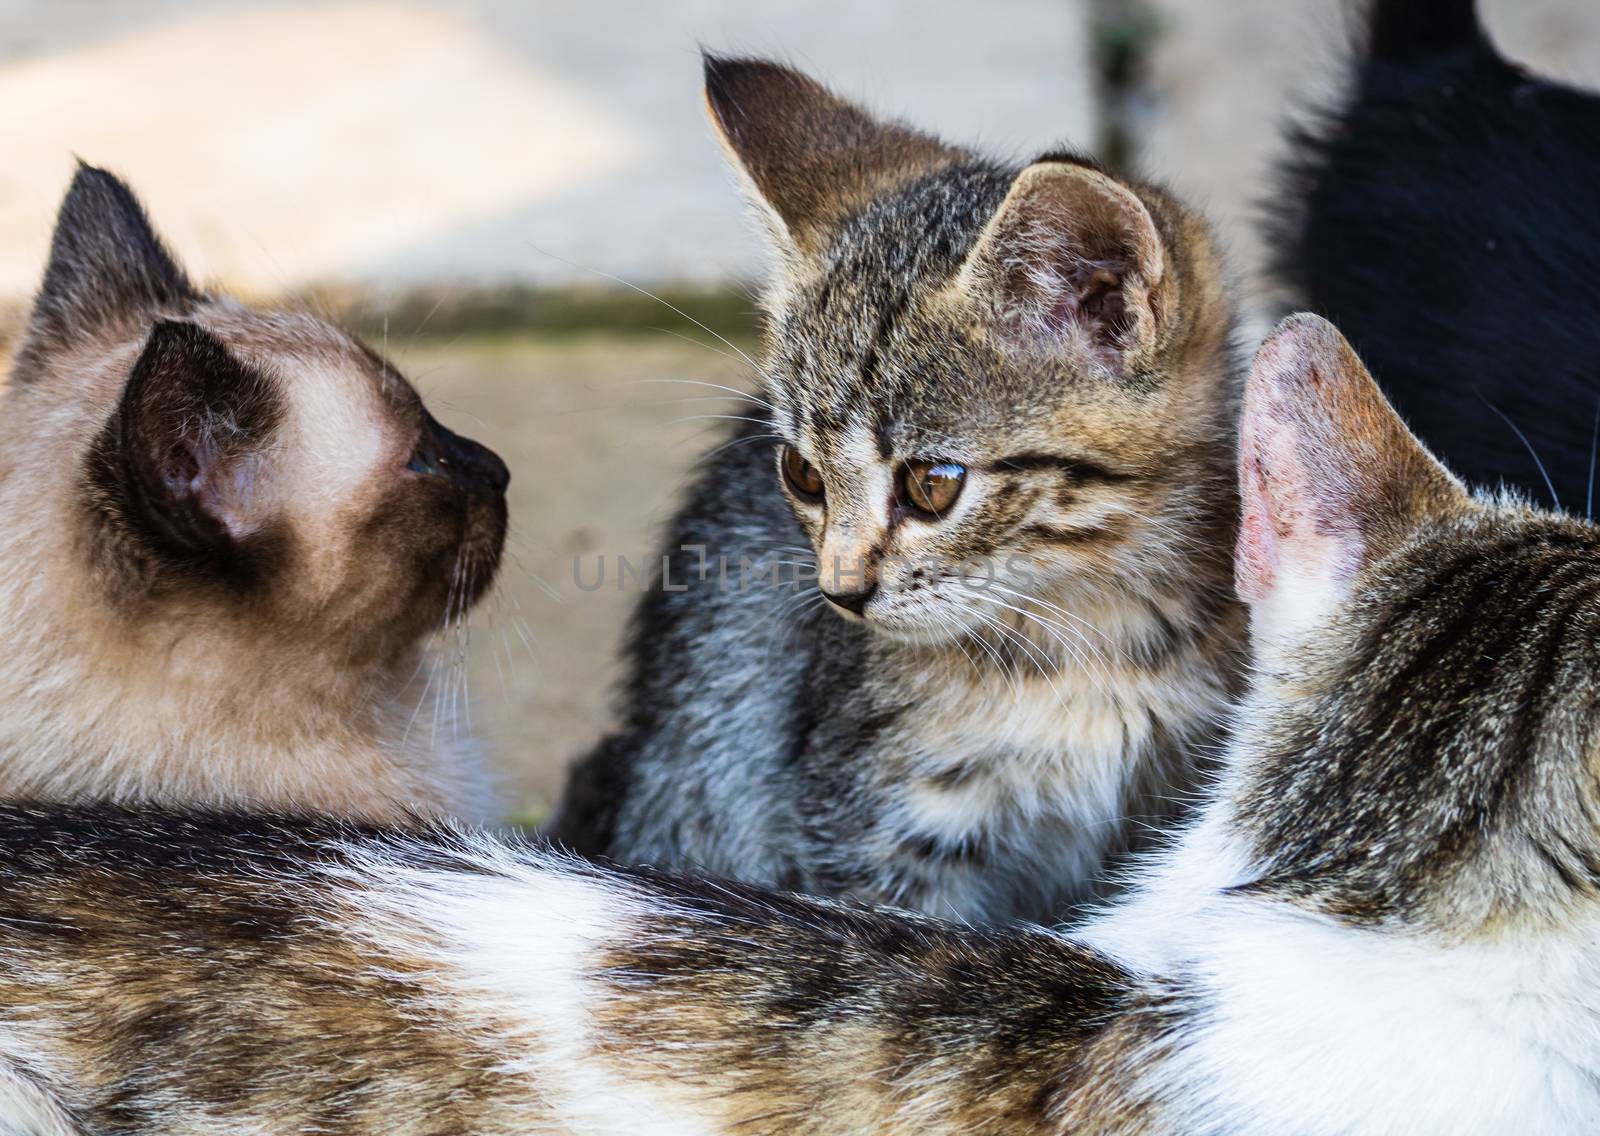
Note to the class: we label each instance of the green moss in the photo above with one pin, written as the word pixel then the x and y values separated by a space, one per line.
pixel 505 318
pixel 446 313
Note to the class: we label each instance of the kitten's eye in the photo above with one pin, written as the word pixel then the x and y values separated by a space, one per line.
pixel 424 460
pixel 932 487
pixel 801 475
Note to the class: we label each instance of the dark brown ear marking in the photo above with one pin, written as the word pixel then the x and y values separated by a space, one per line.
pixel 1329 475
pixel 812 157
pixel 180 458
pixel 1071 253
pixel 107 266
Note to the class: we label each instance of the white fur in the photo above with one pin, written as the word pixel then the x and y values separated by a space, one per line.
pixel 25 1109
pixel 518 943
pixel 1316 1027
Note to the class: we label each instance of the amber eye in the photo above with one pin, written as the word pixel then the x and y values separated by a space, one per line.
pixel 932 487
pixel 801 475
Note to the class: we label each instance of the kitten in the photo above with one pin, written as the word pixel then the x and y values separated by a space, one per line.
pixel 227 533
pixel 998 412
pixel 1467 185
pixel 1384 922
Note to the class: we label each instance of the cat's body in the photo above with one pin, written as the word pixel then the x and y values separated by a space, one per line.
pixel 1384 921
pixel 1467 186
pixel 218 567
pixel 978 751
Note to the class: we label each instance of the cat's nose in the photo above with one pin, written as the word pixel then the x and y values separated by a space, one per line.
pixel 854 602
pixel 472 463
pixel 482 464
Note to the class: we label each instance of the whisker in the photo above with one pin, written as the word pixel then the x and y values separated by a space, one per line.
pixel 1594 446
pixel 651 295
pixel 989 649
pixel 1534 454
pixel 1027 598
pixel 1096 674
pixel 735 392
pixel 1042 662
pixel 740 442
pixel 422 699
pixel 722 417
pixel 537 580
pixel 971 662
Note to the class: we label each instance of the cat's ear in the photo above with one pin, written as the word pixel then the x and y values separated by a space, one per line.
pixel 1072 257
pixel 809 157
pixel 1330 477
pixel 188 443
pixel 107 267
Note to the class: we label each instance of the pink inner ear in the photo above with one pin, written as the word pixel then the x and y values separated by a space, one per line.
pixel 1302 462
pixel 1256 553
pixel 1089 296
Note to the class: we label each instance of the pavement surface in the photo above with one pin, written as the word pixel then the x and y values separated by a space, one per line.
pixel 396 143
pixel 600 433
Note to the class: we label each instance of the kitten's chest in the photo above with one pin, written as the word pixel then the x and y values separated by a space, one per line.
pixel 1032 745
pixel 1004 799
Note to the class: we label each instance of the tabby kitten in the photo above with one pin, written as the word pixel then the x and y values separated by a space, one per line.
pixel 1386 921
pixel 999 403
pixel 227 533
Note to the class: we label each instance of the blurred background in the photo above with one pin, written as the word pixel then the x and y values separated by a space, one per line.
pixel 520 202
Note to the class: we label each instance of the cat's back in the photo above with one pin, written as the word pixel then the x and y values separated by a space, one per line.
pixel 718 654
pixel 1467 185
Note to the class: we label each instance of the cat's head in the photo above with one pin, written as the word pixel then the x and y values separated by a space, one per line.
pixel 262 476
pixel 994 385
pixel 1420 743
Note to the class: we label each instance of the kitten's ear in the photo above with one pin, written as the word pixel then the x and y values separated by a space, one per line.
pixel 187 443
pixel 1072 257
pixel 107 266
pixel 1330 477
pixel 810 158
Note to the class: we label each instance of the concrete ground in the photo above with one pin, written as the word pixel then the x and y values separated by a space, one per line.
pixel 600 433
pixel 392 144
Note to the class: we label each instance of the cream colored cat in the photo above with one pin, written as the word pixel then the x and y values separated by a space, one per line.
pixel 226 535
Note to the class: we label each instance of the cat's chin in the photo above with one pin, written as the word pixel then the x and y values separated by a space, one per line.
pixel 915 634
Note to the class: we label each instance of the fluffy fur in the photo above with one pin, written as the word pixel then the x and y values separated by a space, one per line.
pixel 1442 215
pixel 1005 695
pixel 1327 950
pixel 227 533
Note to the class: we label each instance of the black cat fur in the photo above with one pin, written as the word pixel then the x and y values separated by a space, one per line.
pixel 1443 216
